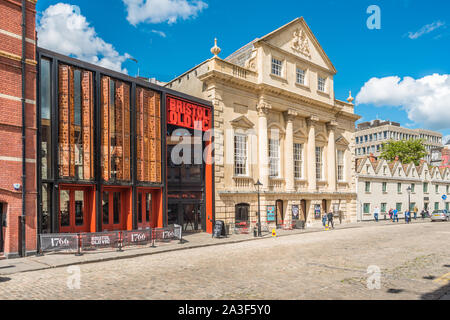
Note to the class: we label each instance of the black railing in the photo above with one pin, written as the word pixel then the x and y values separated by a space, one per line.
pixel 86 242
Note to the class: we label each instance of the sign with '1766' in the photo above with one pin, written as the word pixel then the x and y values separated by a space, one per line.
pixel 187 114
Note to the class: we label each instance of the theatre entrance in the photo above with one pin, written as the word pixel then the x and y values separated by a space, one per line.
pixel 75 209
pixel 189 215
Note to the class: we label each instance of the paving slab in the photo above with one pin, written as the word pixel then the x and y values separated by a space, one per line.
pixel 190 241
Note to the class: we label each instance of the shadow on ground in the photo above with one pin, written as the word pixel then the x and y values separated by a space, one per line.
pixel 437 294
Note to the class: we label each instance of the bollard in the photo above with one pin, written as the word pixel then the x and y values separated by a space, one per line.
pixel 79 246
pixel 181 237
pixel 120 242
pixel 153 239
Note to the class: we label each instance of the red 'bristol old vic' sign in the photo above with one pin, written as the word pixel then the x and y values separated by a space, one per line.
pixel 187 114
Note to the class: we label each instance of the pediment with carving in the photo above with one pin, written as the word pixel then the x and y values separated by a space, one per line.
pixel 300 43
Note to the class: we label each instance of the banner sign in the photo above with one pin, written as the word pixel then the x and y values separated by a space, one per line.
pixel 98 240
pixel 136 237
pixel 184 113
pixel 295 212
pixel 168 233
pixel 270 213
pixel 317 213
pixel 59 242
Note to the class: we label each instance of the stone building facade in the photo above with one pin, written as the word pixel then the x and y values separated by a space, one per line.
pixel 385 184
pixel 276 119
pixel 370 136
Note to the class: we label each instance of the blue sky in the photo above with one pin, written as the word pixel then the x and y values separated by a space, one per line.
pixel 168 37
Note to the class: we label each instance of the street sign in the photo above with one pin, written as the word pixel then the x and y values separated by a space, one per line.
pixel 444 197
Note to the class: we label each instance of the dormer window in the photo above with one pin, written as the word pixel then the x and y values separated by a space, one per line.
pixel 321 84
pixel 277 67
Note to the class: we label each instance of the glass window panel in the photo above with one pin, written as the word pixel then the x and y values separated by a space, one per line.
pixel 46 208
pixel 301 76
pixel 298 160
pixel 240 155
pixel 78 130
pixel 105 205
pixel 45 92
pixel 276 67
pixel 116 207
pixel 274 158
pixel 139 205
pixel 79 208
pixel 148 206
pixel 64 208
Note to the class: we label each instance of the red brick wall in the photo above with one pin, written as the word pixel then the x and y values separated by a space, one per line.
pixel 11 120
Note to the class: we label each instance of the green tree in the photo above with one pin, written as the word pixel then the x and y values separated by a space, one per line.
pixel 407 151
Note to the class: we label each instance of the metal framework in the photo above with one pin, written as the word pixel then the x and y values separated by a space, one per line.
pixel 53 181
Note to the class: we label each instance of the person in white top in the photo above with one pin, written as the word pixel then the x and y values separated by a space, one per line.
pixel 376 213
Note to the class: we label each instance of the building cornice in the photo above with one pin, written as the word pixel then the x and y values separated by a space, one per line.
pixel 240 83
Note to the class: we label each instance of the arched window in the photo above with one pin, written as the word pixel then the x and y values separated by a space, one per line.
pixel 241 212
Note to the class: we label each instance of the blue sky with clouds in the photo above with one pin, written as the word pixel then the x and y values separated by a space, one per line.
pixel 400 72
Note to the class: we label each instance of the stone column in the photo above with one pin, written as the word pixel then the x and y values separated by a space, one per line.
pixel 311 153
pixel 263 148
pixel 331 156
pixel 289 150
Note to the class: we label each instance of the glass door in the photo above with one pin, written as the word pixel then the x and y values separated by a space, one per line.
pixel 192 217
pixel 144 210
pixel 113 208
pixel 73 208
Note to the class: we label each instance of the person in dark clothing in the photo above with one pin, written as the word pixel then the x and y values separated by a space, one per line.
pixel 330 219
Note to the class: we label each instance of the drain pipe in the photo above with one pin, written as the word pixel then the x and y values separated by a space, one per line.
pixel 22 218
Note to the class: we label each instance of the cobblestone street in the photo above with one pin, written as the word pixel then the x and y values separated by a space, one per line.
pixel 413 260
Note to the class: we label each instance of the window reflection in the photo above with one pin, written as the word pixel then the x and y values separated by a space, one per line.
pixel 64 208
pixel 45 119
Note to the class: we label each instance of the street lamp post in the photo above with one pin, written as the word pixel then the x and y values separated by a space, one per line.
pixel 409 201
pixel 258 184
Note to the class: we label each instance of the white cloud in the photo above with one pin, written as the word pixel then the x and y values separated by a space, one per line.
pixel 426 100
pixel 62 28
pixel 425 29
pixel 446 139
pixel 160 33
pixel 158 11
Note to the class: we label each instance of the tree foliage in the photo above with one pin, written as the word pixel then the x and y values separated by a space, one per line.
pixel 407 151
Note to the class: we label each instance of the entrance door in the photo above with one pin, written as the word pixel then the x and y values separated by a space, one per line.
pixel 303 213
pixel 144 212
pixel 73 209
pixel 113 207
pixel 324 206
pixel 280 213
pixel 172 214
pixel 192 217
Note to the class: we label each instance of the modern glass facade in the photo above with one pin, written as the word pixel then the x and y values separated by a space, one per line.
pixel 101 154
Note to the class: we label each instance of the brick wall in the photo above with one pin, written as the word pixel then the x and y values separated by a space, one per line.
pixel 11 120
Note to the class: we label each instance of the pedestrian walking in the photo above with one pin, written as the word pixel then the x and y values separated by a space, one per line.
pixel 390 214
pixel 422 213
pixel 324 219
pixel 407 216
pixel 415 212
pixel 330 219
pixel 376 213
pixel 395 215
